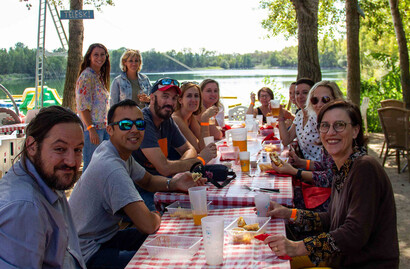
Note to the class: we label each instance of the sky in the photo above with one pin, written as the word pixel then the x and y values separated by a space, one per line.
pixel 224 26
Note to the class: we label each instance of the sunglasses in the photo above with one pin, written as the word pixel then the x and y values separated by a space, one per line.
pixel 315 100
pixel 126 125
pixel 338 126
pixel 168 81
pixel 192 82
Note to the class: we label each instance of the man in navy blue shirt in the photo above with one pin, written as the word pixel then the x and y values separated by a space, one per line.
pixel 162 134
pixel 37 229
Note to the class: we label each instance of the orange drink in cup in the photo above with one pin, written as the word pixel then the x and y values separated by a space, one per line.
pixel 197 196
pixel 238 137
pixel 274 106
pixel 244 158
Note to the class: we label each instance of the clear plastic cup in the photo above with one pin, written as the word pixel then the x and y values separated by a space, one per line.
pixel 262 203
pixel 244 158
pixel 213 235
pixel 197 196
pixel 208 140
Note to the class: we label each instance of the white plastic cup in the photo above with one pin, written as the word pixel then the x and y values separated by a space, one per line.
pixel 208 140
pixel 244 158
pixel 262 203
pixel 260 120
pixel 213 235
pixel 249 117
pixel 197 197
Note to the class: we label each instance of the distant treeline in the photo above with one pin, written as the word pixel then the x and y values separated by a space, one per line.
pixel 22 60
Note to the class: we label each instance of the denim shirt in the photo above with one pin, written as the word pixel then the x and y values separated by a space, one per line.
pixel 37 229
pixel 121 88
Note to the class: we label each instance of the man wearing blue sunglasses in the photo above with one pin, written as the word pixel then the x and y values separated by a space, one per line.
pixel 165 135
pixel 106 192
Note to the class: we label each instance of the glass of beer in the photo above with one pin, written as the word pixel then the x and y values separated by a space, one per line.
pixel 197 197
pixel 239 138
pixel 274 106
pixel 244 158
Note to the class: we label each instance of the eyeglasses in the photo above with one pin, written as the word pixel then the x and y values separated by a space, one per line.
pixel 126 125
pixel 315 100
pixel 338 126
pixel 186 82
pixel 168 81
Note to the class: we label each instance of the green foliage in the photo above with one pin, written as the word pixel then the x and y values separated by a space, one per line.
pixel 282 17
pixel 387 87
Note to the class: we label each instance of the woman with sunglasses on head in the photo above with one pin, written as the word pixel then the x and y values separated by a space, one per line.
pixel 131 84
pixel 360 228
pixel 188 106
pixel 92 94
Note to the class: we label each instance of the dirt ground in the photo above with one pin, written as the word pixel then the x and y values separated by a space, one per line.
pixel 401 188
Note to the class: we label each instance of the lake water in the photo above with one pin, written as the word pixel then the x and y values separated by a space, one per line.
pixel 233 83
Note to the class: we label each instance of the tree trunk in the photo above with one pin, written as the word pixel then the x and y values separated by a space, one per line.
pixel 403 51
pixel 353 51
pixel 308 56
pixel 75 51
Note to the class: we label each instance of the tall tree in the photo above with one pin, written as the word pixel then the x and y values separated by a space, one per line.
pixel 353 51
pixel 308 55
pixel 75 50
pixel 305 19
pixel 403 51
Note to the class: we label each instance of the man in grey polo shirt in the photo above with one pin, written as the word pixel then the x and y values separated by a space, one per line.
pixel 36 227
pixel 106 193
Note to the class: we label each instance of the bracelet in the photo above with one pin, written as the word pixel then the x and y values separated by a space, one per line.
pixel 252 103
pixel 281 119
pixel 307 164
pixel 204 123
pixel 293 215
pixel 201 159
pixel 157 212
pixel 169 184
pixel 90 126
pixel 299 174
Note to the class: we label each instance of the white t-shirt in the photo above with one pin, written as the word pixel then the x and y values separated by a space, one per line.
pixel 307 136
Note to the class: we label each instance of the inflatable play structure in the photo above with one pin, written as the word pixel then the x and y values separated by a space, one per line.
pixel 51 98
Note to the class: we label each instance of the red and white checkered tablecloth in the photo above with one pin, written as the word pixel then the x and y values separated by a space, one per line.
pixel 255 255
pixel 235 194
pixel 12 127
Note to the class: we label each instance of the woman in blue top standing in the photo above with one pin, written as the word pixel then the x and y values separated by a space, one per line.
pixel 130 84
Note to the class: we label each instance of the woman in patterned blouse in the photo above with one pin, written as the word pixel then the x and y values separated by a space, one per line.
pixel 92 97
pixel 359 230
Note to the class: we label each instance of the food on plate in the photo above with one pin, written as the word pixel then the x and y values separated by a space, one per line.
pixel 241 222
pixel 252 227
pixel 240 236
pixel 182 213
pixel 275 159
pixel 196 176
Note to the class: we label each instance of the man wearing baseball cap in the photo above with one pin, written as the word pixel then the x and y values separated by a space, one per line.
pixel 162 134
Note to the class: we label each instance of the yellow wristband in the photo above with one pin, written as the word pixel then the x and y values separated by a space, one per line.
pixel 204 123
pixel 293 215
pixel 201 159
pixel 90 126
pixel 307 164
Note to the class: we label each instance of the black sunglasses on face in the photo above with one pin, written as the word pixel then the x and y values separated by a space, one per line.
pixel 315 100
pixel 126 125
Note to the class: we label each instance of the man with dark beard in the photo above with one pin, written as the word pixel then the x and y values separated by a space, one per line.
pixel 36 226
pixel 162 134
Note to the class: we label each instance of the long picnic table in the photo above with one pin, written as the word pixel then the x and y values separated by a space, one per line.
pixel 255 255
